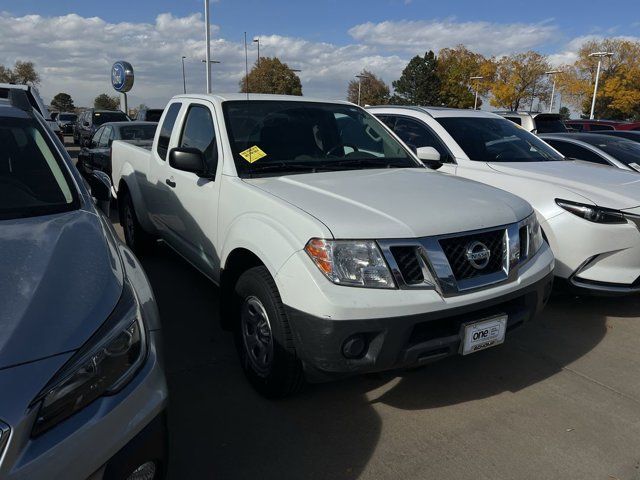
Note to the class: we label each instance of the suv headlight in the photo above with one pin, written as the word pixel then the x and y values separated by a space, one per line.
pixel 530 232
pixel 357 263
pixel 101 367
pixel 592 213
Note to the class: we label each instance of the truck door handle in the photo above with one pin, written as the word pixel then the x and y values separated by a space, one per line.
pixel 170 182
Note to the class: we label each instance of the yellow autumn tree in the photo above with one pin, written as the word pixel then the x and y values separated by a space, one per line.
pixel 455 67
pixel 619 86
pixel 519 80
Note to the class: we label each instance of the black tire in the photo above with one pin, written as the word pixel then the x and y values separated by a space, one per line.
pixel 284 376
pixel 135 236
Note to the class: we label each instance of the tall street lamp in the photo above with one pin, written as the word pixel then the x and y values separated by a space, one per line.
pixel 553 89
pixel 184 78
pixel 211 62
pixel 257 40
pixel 360 77
pixel 477 79
pixel 599 56
pixel 207 36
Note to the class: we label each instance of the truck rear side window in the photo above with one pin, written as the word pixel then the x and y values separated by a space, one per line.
pixel 166 129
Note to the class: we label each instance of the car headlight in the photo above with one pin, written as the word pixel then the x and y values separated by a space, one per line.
pixel 106 362
pixel 592 213
pixel 357 263
pixel 531 233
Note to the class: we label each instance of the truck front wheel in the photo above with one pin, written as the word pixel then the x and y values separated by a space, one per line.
pixel 263 336
pixel 134 235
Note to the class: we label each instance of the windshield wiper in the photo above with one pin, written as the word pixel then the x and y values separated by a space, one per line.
pixel 285 167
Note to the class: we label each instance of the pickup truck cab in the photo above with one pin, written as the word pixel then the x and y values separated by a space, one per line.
pixel 337 252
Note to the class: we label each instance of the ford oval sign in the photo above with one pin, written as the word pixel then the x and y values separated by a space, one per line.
pixel 122 76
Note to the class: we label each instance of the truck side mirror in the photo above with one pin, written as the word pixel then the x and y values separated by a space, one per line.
pixel 430 157
pixel 188 160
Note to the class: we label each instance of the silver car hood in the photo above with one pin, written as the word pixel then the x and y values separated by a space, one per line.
pixel 61 278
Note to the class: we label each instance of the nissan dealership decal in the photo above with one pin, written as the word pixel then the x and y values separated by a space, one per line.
pixel 122 76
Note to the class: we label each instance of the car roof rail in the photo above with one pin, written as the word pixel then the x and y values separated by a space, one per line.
pixel 19 99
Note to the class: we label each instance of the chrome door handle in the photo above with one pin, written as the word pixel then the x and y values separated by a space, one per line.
pixel 170 182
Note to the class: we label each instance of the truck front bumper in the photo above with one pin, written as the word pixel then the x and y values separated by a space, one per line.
pixel 403 341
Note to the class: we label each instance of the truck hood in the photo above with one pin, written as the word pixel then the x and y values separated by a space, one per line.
pixel 61 278
pixel 396 203
pixel 603 185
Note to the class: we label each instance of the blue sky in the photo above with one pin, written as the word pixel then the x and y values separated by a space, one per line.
pixel 73 42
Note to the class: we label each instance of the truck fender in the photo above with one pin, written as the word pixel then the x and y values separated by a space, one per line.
pixel 128 181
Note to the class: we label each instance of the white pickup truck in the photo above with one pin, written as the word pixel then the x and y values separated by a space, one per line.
pixel 336 251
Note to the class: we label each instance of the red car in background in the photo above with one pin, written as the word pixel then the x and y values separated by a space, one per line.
pixel 600 125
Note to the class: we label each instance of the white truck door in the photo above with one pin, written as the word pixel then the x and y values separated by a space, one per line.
pixel 192 199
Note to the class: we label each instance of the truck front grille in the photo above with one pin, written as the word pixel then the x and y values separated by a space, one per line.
pixel 456 250
pixel 408 264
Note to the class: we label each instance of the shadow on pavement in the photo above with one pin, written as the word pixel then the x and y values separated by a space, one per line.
pixel 221 429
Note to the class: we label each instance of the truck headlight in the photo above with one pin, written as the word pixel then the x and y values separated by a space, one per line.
pixel 592 213
pixel 357 263
pixel 534 234
pixel 106 362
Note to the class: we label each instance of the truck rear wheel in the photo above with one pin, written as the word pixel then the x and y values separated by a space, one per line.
pixel 263 337
pixel 134 235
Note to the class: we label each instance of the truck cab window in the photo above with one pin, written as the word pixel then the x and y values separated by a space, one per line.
pixel 166 129
pixel 199 133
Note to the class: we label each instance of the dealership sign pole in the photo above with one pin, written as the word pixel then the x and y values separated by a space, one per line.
pixel 122 81
pixel 207 34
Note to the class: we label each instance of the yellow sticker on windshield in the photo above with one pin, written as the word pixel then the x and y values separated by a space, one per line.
pixel 253 154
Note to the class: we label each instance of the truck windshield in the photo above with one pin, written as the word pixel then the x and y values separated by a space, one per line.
pixel 271 137
pixel 32 179
pixel 497 140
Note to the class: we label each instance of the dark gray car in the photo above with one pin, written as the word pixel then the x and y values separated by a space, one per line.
pixel 83 393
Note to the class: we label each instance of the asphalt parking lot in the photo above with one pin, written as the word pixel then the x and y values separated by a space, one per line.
pixel 560 400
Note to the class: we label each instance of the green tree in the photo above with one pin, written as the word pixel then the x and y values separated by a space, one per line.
pixel 270 75
pixel 455 68
pixel 373 90
pixel 519 79
pixel 63 102
pixel 565 113
pixel 106 102
pixel 419 83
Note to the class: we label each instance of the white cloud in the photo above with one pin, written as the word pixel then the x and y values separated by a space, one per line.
pixel 569 54
pixel 484 37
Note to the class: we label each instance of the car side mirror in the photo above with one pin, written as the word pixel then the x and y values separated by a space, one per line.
pixel 189 160
pixel 100 184
pixel 430 157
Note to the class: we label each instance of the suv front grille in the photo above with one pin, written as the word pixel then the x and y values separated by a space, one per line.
pixel 455 249
pixel 408 264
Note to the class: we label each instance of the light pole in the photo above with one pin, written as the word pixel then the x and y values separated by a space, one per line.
pixel 599 56
pixel 207 35
pixel 477 79
pixel 257 40
pixel 211 62
pixel 184 78
pixel 553 89
pixel 360 77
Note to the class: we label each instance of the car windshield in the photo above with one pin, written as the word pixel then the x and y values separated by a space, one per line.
pixel 67 116
pixel 138 132
pixel 497 140
pixel 153 115
pixel 103 117
pixel 623 150
pixel 33 180
pixel 286 137
pixel 549 124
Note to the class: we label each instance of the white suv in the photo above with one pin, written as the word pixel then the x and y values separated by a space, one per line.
pixel 589 213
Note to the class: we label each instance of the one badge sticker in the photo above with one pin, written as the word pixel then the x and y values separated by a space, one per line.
pixel 253 154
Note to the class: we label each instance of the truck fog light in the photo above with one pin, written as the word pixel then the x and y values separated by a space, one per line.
pixel 146 471
pixel 355 346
